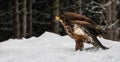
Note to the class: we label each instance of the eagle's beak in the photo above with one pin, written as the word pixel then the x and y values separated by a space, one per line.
pixel 57 18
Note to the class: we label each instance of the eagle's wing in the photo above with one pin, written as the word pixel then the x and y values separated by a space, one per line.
pixel 91 31
pixel 89 28
pixel 78 17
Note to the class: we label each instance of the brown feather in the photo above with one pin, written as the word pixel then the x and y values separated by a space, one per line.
pixel 89 30
pixel 74 16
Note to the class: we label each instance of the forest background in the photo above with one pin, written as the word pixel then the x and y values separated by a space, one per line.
pixel 27 18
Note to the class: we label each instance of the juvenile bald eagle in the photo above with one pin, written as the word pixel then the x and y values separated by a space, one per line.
pixel 81 29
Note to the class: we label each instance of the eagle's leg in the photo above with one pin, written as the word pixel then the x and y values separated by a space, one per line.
pixel 98 43
pixel 79 45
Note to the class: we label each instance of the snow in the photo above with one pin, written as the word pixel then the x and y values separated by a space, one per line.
pixel 51 47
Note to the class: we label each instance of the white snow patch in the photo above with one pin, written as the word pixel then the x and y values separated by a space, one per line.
pixel 51 47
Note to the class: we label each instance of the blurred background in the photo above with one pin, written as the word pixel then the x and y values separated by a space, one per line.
pixel 27 18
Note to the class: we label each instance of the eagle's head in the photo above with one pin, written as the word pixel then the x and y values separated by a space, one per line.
pixel 59 18
pixel 64 20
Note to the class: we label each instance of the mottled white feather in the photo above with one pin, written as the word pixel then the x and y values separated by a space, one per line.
pixel 78 30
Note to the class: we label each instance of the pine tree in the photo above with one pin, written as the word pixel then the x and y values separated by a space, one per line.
pixel 29 17
pixel 24 18
pixel 16 21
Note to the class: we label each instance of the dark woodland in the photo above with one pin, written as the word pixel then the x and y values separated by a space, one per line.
pixel 27 18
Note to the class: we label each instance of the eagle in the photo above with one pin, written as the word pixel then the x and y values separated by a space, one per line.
pixel 81 29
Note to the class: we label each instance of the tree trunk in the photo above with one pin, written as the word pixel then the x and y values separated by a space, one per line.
pixel 54 27
pixel 114 19
pixel 111 19
pixel 16 22
pixel 23 18
pixel 79 6
pixel 29 17
pixel 56 13
pixel 108 18
pixel 56 7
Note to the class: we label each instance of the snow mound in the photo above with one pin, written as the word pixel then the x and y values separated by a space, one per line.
pixel 51 47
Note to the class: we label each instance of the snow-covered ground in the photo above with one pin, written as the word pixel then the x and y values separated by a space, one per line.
pixel 54 48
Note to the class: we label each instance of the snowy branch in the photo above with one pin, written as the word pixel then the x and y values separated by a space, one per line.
pixel 113 25
pixel 4 13
pixel 99 12
pixel 94 7
pixel 3 28
pixel 99 5
pixel 92 2
pixel 108 4
pixel 119 28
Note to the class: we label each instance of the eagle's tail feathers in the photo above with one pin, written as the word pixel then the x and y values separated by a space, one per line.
pixel 99 43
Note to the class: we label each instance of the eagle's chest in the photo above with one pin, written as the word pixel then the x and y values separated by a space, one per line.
pixel 75 29
pixel 78 30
